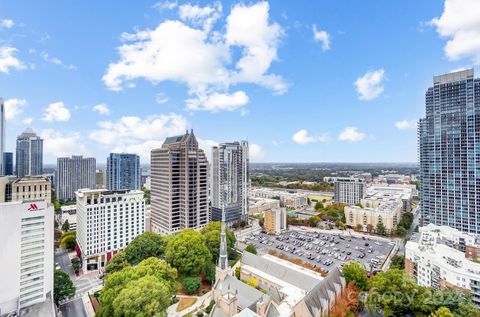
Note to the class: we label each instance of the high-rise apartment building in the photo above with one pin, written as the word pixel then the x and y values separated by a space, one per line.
pixel 179 172
pixel 449 152
pixel 123 171
pixel 7 163
pixel 73 174
pixel 29 157
pixel 107 221
pixel 2 137
pixel 349 190
pixel 230 181
pixel 26 244
pixel 100 179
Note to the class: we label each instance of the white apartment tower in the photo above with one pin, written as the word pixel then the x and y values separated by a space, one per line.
pixel 73 174
pixel 179 181
pixel 107 221
pixel 230 181
pixel 26 250
pixel 349 190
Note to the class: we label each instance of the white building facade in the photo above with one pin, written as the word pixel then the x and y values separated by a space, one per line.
pixel 26 250
pixel 107 221
pixel 349 190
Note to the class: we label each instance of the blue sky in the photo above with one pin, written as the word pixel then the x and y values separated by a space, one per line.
pixel 303 81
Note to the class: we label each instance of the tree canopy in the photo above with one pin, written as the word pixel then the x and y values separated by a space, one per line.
pixel 354 273
pixel 191 284
pixel 117 263
pixel 251 248
pixel 62 286
pixel 144 246
pixel 188 252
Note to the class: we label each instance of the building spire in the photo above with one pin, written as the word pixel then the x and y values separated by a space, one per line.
pixel 223 259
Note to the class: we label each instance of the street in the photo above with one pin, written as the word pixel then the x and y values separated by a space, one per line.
pixel 83 284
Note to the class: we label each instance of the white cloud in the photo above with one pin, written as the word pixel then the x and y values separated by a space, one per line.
pixel 406 124
pixel 160 98
pixel 351 134
pixel 302 137
pixel 218 101
pixel 56 61
pixel 27 121
pixel 322 37
pixel 255 152
pixel 201 16
pixel 7 23
pixel 460 23
pixel 201 59
pixel 14 107
pixel 56 144
pixel 369 86
pixel 8 60
pixel 56 112
pixel 137 135
pixel 102 109
pixel 162 5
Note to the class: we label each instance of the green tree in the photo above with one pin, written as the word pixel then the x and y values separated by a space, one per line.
pixel 354 272
pixel 313 221
pixel 210 273
pixel 400 231
pixel 251 248
pixel 76 265
pixel 468 309
pixel 381 229
pixel 147 196
pixel 144 297
pixel 116 263
pixel 57 205
pixel 144 246
pixel 66 226
pixel 253 282
pixel 442 312
pixel 397 262
pixel 160 269
pixel 217 226
pixel 191 284
pixel 237 272
pixel 318 206
pixel 62 286
pixel 359 227
pixel 69 242
pixel 212 240
pixel 188 252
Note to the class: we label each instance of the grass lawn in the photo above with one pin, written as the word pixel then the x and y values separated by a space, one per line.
pixel 185 302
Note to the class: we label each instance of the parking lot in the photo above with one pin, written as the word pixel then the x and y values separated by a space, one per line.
pixel 326 250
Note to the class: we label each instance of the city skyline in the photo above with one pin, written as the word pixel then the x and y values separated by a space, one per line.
pixel 102 100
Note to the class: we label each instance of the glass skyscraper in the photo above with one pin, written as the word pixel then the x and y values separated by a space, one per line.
pixel 449 152
pixel 29 156
pixel 123 171
pixel 7 163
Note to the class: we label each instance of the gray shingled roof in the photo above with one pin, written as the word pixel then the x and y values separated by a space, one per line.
pixel 319 297
pixel 291 276
pixel 272 311
pixel 247 296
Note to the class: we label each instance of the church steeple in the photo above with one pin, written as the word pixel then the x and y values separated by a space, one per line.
pixel 223 258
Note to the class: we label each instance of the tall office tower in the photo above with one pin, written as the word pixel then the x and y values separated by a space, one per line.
pixel 2 137
pixel 349 190
pixel 179 185
pixel 7 163
pixel 449 152
pixel 29 157
pixel 123 171
pixel 107 221
pixel 26 244
pixel 230 181
pixel 73 174
pixel 100 179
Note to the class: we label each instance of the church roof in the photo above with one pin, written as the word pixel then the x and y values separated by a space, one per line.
pixel 247 296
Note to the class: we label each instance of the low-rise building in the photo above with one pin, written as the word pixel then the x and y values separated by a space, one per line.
pixel 69 213
pixel 275 220
pixel 433 261
pixel 291 199
pixel 26 249
pixel 32 188
pixel 107 221
pixel 259 205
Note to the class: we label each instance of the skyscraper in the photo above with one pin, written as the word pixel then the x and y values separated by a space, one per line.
pixel 73 174
pixel 29 157
pixel 179 172
pixel 349 190
pixel 449 152
pixel 230 177
pixel 7 163
pixel 2 137
pixel 123 171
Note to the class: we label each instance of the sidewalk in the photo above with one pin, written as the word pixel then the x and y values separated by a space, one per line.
pixel 202 301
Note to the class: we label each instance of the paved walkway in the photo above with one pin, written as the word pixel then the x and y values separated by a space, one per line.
pixel 202 301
